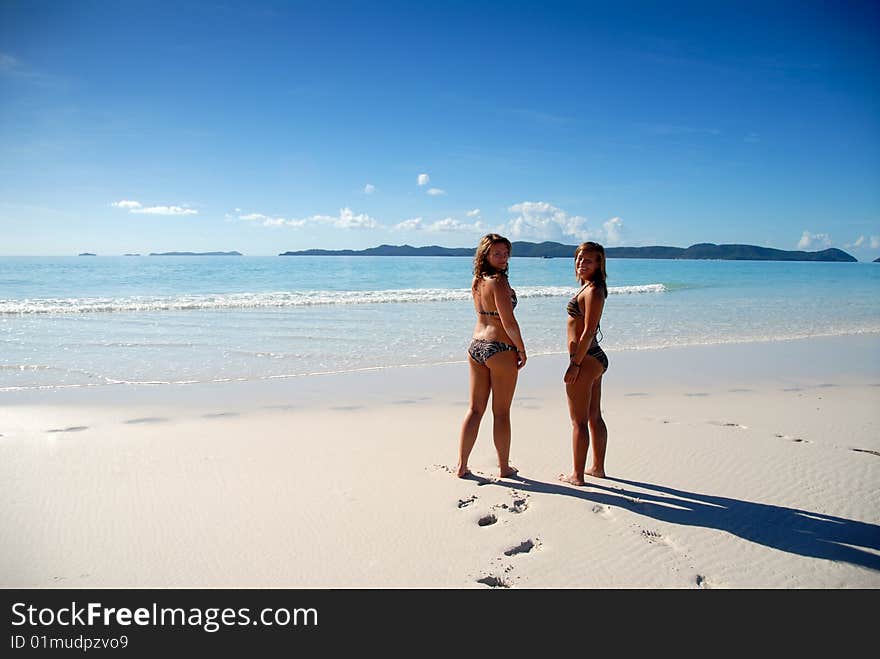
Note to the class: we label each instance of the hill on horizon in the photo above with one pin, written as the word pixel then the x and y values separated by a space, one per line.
pixel 549 249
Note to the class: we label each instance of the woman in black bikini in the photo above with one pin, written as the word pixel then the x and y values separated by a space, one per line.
pixel 587 364
pixel 495 354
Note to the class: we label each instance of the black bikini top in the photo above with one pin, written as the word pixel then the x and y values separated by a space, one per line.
pixel 573 308
pixel 495 313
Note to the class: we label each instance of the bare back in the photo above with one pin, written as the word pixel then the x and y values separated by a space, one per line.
pixel 494 301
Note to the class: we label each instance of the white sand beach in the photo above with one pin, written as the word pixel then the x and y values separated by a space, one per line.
pixel 735 466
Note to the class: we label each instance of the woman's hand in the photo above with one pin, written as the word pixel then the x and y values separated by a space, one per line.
pixel 571 373
pixel 520 359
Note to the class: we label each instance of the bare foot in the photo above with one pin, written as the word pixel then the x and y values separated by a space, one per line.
pixel 463 472
pixel 571 478
pixel 508 471
pixel 598 473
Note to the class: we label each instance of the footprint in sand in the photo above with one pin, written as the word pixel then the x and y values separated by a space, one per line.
pixel 147 419
pixel 479 478
pixel 501 576
pixel 494 581
pixel 523 548
pixel 487 520
pixel 518 505
pixel 729 424
pixel 794 439
pixel 651 536
pixel 657 538
pixel 702 582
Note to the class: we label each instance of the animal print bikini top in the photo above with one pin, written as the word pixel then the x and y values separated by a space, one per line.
pixel 495 313
pixel 574 310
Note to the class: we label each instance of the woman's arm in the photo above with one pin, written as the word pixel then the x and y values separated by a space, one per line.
pixel 500 289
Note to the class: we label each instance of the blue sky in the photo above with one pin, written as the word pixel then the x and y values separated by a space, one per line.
pixel 135 126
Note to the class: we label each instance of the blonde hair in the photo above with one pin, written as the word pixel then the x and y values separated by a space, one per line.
pixel 482 268
pixel 599 276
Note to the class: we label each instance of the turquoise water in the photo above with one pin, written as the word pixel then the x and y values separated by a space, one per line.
pixel 95 321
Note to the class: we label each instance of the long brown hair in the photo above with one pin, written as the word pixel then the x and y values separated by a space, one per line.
pixel 600 277
pixel 482 268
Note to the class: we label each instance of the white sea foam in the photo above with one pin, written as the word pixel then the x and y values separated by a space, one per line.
pixel 281 299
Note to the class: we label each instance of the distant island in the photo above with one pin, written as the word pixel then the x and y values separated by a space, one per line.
pixel 131 254
pixel 86 254
pixel 195 253
pixel 558 250
pixel 877 260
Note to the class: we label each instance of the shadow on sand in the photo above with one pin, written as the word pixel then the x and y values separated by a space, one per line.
pixel 787 529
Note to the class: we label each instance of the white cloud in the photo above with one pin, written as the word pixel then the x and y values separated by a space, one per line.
pixel 809 240
pixel 346 219
pixel 369 188
pixel 450 224
pixel 613 229
pixel 165 210
pixel 138 207
pixel 423 179
pixel 446 225
pixel 862 242
pixel 435 192
pixel 281 222
pixel 126 204
pixel 538 220
pixel 414 224
pixel 265 220
pixel 473 213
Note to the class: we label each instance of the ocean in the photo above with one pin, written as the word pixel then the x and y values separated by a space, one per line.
pixel 69 322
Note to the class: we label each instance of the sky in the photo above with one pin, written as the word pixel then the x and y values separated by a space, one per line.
pixel 134 126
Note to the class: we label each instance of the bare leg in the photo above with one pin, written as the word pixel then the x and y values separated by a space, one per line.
pixel 503 374
pixel 579 395
pixel 479 398
pixel 598 431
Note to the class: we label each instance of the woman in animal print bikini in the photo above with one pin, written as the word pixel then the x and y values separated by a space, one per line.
pixel 587 364
pixel 495 354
